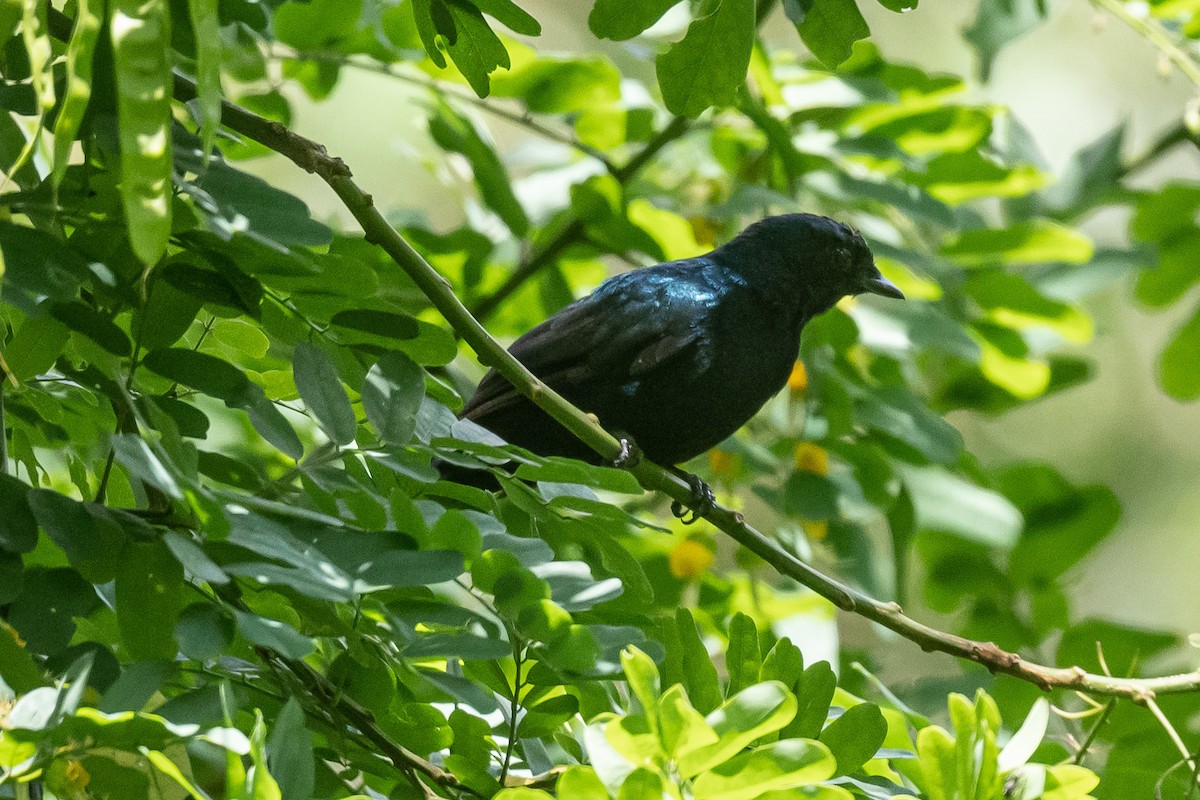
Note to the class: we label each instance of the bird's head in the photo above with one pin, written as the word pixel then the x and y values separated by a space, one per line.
pixel 814 259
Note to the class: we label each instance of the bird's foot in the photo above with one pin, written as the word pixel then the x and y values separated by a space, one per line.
pixel 700 503
pixel 629 456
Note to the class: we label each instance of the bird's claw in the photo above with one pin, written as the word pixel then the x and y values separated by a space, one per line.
pixel 700 503
pixel 629 456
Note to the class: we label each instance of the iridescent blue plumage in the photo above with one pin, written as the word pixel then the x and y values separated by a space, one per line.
pixel 680 355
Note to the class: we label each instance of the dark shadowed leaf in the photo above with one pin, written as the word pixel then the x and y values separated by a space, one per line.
pixel 18 528
pixel 84 319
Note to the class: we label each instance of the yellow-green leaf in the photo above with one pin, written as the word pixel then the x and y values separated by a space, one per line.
pixel 79 85
pixel 206 27
pixel 141 34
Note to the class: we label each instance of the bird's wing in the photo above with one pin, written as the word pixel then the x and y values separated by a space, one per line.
pixel 631 325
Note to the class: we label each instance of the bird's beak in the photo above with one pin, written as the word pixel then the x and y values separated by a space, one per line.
pixel 877 284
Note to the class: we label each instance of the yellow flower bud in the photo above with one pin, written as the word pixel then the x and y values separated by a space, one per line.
pixel 815 529
pixel 721 463
pixel 798 381
pixel 77 776
pixel 812 458
pixel 689 559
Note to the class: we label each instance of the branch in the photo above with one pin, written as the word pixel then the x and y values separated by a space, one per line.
pixel 524 119
pixel 313 157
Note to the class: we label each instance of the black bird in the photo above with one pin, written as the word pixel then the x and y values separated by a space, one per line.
pixel 678 356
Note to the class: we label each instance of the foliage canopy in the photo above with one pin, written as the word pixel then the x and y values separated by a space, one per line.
pixel 229 569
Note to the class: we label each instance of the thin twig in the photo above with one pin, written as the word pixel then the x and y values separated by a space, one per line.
pixel 1094 731
pixel 1156 34
pixel 575 230
pixel 524 119
pixel 514 706
pixel 1172 734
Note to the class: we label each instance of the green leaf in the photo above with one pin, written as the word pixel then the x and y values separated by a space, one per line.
pixel 204 373
pixel 579 783
pixel 814 692
pixel 1063 523
pixel 391 396
pixel 556 85
pixel 620 20
pixel 1175 272
pixel 997 24
pixel 784 663
pixel 35 346
pixel 203 632
pixel 38 264
pixel 643 680
pixel 708 66
pixel 322 392
pixel 272 425
pixel 454 132
pixel 476 49
pixel 206 27
pixel 149 596
pixel 947 503
pixel 1091 176
pixel 855 736
pixel 786 764
pixel 381 323
pixel 319 24
pixel 432 18
pixel 1177 370
pixel 273 634
pixel 44 613
pixel 510 14
pixel 91 540
pixel 136 456
pixel 80 49
pixel 80 317
pixel 18 528
pixel 1034 242
pixel 750 714
pixel 1027 739
pixel 290 752
pixel 141 34
pixel 263 785
pixel 17 665
pixel 526 793
pixel 958 177
pixel 743 659
pixel 829 28
pixel 167 315
pixel 699 674
pixel 246 200
pixel 1013 302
